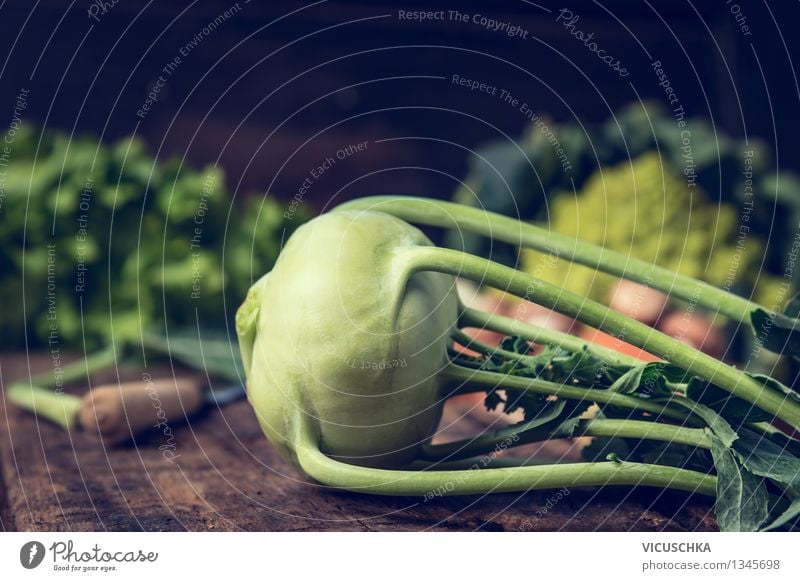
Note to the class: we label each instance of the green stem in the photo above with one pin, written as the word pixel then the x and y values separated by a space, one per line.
pixel 61 408
pixel 433 483
pixel 505 229
pixel 42 395
pixel 80 369
pixel 513 327
pixel 475 462
pixel 768 429
pixel 488 350
pixel 607 320
pixel 644 431
pixel 568 342
pixel 590 427
pixel 471 380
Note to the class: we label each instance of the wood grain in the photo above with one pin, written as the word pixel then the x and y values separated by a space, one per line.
pixel 227 477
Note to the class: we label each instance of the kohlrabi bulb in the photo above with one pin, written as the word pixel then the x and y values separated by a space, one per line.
pixel 341 334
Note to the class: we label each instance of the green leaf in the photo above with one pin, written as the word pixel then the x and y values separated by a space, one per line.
pixel 776 332
pixel 792 307
pixel 518 345
pixel 551 420
pixel 764 458
pixel 532 403
pixel 670 454
pixel 742 497
pixel 734 409
pixel 648 380
pixel 211 353
pixel 561 424
pixel 566 367
pixel 713 420
pixel 776 385
pixel 566 429
pixel 550 411
pixel 649 452
pixel 630 381
pixel 465 360
pixel 784 442
pixel 789 515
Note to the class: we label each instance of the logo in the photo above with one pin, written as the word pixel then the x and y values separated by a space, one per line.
pixel 31 554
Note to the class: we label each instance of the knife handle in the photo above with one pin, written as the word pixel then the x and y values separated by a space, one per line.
pixel 118 412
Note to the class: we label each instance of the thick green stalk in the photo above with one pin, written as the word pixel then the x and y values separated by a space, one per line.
pixel 513 327
pixel 431 483
pixel 636 429
pixel 61 408
pixel 505 229
pixel 644 431
pixel 39 394
pixel 607 320
pixel 471 380
pixel 483 462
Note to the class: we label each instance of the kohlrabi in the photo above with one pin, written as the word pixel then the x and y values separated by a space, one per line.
pixel 348 345
pixel 342 335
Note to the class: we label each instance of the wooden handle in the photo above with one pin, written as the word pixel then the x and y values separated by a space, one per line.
pixel 117 412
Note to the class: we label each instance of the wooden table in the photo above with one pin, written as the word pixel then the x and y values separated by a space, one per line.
pixel 227 477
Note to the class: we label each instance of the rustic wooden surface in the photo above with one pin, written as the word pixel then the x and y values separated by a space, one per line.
pixel 227 477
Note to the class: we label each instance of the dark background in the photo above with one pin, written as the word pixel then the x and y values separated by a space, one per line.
pixel 271 98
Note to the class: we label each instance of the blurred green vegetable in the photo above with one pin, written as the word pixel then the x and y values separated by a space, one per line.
pixel 101 239
pixel 519 179
pixel 643 209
